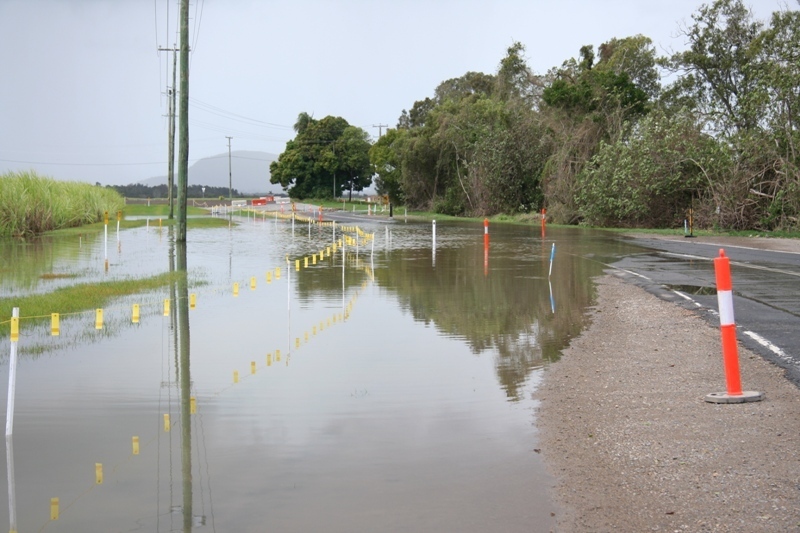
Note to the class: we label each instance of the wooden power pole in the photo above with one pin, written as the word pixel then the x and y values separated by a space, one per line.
pixel 183 137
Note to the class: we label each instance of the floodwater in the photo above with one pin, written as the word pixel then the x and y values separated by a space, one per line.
pixel 388 387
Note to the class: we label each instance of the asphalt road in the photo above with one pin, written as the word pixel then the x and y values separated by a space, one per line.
pixel 766 287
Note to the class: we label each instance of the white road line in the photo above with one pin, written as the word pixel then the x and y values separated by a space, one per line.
pixel 687 297
pixel 771 347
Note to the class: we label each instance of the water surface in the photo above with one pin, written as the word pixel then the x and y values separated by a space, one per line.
pixel 401 399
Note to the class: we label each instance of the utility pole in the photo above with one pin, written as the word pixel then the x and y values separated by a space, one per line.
pixel 171 93
pixel 183 149
pixel 230 176
pixel 380 129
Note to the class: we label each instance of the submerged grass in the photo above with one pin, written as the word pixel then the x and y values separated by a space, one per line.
pixel 204 222
pixel 31 204
pixel 79 298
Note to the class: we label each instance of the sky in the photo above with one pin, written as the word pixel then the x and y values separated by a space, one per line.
pixel 83 85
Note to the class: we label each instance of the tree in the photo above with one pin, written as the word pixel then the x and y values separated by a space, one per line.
pixel 718 76
pixel 384 157
pixel 650 176
pixel 325 157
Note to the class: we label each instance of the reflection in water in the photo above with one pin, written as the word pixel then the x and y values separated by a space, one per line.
pixel 411 414
pixel 184 379
pixel 12 489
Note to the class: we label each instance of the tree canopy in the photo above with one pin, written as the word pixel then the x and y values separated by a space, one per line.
pixel 326 157
pixel 616 135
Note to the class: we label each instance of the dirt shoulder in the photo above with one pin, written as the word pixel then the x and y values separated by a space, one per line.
pixel 626 432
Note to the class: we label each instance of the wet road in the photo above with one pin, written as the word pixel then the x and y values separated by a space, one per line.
pixel 766 286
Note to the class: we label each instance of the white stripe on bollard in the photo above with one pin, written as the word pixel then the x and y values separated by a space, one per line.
pixel 725 302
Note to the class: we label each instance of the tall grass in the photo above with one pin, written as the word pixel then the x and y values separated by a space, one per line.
pixel 31 204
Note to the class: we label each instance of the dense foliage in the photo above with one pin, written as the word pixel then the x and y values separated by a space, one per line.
pixel 32 204
pixel 326 157
pixel 600 140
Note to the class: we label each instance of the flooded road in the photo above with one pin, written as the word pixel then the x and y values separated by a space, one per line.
pixel 386 386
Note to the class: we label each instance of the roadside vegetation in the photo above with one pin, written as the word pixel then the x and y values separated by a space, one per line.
pixel 31 204
pixel 617 136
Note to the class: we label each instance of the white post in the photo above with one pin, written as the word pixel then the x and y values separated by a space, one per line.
pixel 434 243
pixel 334 231
pixel 12 381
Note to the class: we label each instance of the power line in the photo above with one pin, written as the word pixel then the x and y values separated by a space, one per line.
pixel 229 114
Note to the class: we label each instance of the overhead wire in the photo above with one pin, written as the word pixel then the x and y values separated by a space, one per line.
pixel 233 116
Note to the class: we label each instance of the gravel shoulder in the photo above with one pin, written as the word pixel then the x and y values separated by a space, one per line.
pixel 626 432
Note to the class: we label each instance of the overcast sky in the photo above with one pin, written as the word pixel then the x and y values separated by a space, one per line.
pixel 82 90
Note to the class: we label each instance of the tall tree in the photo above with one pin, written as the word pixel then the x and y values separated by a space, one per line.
pixel 325 157
pixel 718 75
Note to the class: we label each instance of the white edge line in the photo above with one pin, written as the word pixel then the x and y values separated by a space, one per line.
pixel 768 345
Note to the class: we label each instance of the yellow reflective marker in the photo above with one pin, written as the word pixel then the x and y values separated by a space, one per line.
pixel 192 301
pixel 277 272
pixel 269 359
pixel 98 319
pixel 269 277
pixel 252 367
pixel 98 473
pixel 159 223
pixel 277 355
pixel 135 444
pixel 314 330
pixel 53 508
pixel 305 262
pixel 321 325
pixel 192 405
pixel 166 307
pixel 328 249
pixel 236 376
pixel 55 327
pixel 253 283
pixel 236 289
pixel 14 328
pixel 297 342
pixel 329 321
pixel 305 335
pixel 105 217
pixel 135 317
pixel 315 259
pixel 119 216
pixel 166 421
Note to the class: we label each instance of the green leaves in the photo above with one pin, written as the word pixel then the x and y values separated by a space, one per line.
pixel 326 157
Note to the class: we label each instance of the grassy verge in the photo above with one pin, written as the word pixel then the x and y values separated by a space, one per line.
pixel 79 298
pixel 205 222
pixel 159 210
pixel 31 204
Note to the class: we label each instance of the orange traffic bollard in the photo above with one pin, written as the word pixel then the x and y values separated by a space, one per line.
pixel 727 328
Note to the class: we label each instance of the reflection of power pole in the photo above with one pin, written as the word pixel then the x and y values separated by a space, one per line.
pixel 380 129
pixel 230 178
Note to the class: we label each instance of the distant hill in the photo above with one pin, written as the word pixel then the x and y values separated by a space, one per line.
pixel 249 172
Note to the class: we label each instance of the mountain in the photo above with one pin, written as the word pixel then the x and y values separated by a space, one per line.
pixel 249 172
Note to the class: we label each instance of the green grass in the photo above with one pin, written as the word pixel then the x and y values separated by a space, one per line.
pixel 31 204
pixel 202 222
pixel 159 210
pixel 79 298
